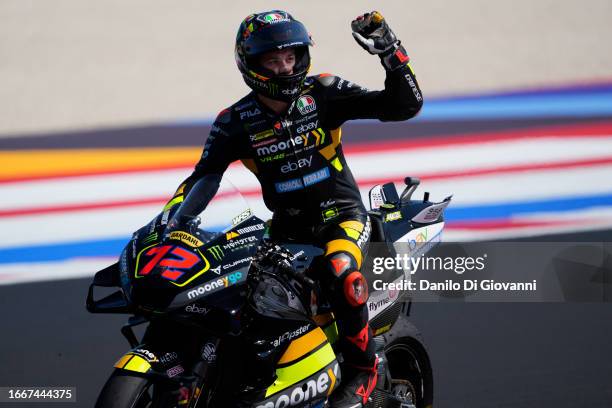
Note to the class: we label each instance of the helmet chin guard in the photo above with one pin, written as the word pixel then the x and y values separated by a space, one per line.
pixel 267 31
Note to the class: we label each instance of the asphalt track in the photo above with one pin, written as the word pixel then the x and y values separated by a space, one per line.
pixel 483 354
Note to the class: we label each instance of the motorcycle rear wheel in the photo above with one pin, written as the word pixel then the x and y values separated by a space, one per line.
pixel 409 366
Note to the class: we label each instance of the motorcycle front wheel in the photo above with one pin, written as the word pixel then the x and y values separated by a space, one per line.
pixel 124 390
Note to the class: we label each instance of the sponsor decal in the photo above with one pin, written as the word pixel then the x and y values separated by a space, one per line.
pixel 215 285
pixel 150 238
pixel 415 90
pixel 174 371
pixel 209 352
pixel 291 91
pixel 290 335
pixel 306 104
pixel 314 387
pixel 294 165
pixel 308 126
pixel 236 263
pixel 431 213
pixel 340 83
pixel 242 216
pixel 394 216
pixel 299 183
pixel 216 252
pixel 316 177
pixel 305 118
pixel 186 238
pixel 273 18
pixel 290 185
pixel 329 214
pixel 365 235
pixel 168 357
pixel 379 300
pixel 193 308
pixel 123 266
pixel 327 203
pixel 298 141
pixel 251 228
pixel 265 142
pixel 373 306
pixel 272 158
pixel 250 113
pixel 166 214
pixel 297 255
pixel 217 270
pixel 261 135
pixel 239 243
pixel 231 235
pixel 146 354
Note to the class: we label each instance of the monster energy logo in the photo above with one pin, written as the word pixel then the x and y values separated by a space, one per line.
pixel 273 88
pixel 150 238
pixel 216 252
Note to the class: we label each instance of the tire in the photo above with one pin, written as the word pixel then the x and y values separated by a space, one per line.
pixel 409 364
pixel 124 390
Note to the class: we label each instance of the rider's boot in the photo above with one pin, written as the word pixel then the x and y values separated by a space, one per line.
pixel 359 373
pixel 356 387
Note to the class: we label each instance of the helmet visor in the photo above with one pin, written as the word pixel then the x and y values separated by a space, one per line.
pixel 277 36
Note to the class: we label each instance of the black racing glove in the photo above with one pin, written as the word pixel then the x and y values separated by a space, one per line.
pixel 372 33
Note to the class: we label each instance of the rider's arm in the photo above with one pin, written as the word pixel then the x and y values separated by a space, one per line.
pixel 401 98
pixel 218 153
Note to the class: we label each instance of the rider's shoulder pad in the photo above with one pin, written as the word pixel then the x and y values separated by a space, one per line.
pixel 326 79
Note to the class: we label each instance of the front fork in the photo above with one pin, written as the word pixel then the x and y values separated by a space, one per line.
pixel 189 389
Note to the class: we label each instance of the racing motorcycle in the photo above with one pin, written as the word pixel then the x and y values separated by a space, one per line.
pixel 234 319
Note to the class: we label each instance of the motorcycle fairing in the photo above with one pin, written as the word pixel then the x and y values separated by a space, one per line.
pixel 141 359
pixel 133 362
pixel 306 370
pixel 181 265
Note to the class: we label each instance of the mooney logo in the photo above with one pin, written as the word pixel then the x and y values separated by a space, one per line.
pixel 213 286
pixel 313 138
pixel 314 387
pixel 306 104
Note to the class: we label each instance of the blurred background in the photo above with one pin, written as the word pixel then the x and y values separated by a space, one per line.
pixel 105 107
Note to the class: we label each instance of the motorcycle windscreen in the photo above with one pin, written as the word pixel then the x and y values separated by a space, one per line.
pixel 209 251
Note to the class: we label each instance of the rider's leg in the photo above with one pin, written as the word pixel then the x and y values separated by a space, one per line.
pixel 345 246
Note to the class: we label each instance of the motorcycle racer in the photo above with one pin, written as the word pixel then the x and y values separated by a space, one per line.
pixel 287 132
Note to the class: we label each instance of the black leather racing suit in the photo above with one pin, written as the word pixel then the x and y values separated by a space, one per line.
pixel 297 157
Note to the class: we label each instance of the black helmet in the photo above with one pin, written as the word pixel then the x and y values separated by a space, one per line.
pixel 272 30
